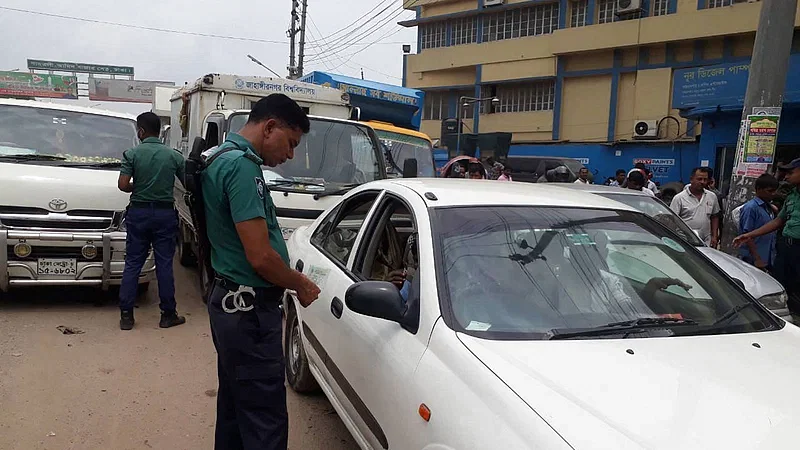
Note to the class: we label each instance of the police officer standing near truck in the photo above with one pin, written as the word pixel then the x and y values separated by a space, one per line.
pixel 249 257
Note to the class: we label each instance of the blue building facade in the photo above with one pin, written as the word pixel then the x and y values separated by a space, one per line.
pixel 397 105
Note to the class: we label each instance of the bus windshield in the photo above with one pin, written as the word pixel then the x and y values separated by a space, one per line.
pixel 331 155
pixel 404 146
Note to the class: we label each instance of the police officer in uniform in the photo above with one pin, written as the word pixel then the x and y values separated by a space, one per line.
pixel 250 260
pixel 787 262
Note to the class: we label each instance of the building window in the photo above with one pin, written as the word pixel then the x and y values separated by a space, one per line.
pixel 435 107
pixel 660 7
pixel 469 111
pixel 433 35
pixel 522 22
pixel 577 15
pixel 523 97
pixel 464 30
pixel 606 11
pixel 719 3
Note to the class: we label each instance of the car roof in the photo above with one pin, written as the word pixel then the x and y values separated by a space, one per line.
pixel 465 192
pixel 600 189
pixel 65 107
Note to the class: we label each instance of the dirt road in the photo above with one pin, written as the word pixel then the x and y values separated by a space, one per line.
pixel 107 389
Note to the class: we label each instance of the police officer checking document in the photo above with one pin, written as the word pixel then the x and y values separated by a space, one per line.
pixel 250 260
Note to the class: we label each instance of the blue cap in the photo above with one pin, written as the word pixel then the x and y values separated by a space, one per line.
pixel 792 165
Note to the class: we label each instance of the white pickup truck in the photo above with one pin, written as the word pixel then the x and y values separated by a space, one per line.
pixel 61 214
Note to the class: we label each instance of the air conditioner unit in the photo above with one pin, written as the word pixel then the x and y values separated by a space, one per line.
pixel 628 6
pixel 487 3
pixel 645 129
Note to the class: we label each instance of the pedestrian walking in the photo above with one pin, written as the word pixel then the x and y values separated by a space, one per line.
pixel 754 214
pixel 148 172
pixel 787 261
pixel 583 176
pixel 251 265
pixel 619 178
pixel 506 176
pixel 636 181
pixel 699 207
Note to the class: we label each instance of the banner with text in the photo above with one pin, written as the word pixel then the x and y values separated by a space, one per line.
pixel 22 84
pixel 62 66
pixel 107 90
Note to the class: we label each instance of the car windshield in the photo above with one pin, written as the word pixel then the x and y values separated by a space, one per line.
pixel 656 209
pixel 403 146
pixel 331 155
pixel 534 272
pixel 72 136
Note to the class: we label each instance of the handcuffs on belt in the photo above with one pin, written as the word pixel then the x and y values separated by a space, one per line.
pixel 238 301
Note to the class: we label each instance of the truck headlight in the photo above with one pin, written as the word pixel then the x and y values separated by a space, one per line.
pixel 775 301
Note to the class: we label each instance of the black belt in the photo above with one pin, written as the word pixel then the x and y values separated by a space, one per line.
pixel 790 240
pixel 261 292
pixel 155 205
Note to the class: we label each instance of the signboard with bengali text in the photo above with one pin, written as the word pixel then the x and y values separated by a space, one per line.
pixel 62 66
pixel 23 84
pixel 107 90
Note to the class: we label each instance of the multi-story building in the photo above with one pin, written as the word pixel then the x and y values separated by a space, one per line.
pixel 608 81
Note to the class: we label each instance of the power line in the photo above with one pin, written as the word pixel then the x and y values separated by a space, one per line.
pixel 359 51
pixel 345 45
pixel 343 40
pixel 141 27
pixel 353 23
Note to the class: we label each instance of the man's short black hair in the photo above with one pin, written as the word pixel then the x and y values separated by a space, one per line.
pixel 639 165
pixel 636 177
pixel 282 108
pixel 707 170
pixel 766 181
pixel 700 169
pixel 150 123
pixel 621 171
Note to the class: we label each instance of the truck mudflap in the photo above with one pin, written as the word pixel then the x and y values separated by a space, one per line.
pixel 109 271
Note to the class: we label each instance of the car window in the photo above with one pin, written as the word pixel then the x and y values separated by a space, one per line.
pixel 337 234
pixel 384 248
pixel 532 273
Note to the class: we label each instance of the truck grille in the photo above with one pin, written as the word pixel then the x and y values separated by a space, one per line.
pixel 53 252
pixel 39 218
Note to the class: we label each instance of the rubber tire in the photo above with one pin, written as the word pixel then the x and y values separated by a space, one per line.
pixel 185 254
pixel 303 381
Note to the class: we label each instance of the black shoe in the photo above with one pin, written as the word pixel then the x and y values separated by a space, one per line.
pixel 171 319
pixel 126 320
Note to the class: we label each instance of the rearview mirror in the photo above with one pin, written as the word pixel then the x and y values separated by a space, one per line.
pixel 379 299
pixel 410 168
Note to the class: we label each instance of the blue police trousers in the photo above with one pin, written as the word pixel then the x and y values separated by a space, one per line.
pixel 251 399
pixel 156 227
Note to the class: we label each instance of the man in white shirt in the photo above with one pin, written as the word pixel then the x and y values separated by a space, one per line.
pixel 699 208
pixel 583 176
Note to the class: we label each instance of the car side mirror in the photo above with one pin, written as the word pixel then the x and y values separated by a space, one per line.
pixel 410 167
pixel 379 299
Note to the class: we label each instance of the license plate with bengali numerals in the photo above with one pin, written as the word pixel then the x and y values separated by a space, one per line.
pixel 56 266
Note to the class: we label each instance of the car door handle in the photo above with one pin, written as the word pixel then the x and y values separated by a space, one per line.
pixel 337 307
pixel 299 265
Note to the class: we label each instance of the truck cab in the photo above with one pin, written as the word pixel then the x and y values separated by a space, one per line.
pixel 62 218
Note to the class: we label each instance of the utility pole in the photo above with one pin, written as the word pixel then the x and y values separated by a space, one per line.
pixel 291 33
pixel 302 40
pixel 765 85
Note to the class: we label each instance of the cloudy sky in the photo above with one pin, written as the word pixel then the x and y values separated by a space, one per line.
pixel 333 44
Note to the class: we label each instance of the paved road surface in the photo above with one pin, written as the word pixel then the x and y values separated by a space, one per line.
pixel 107 389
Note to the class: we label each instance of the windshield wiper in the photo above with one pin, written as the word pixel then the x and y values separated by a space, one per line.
pixel 733 312
pixel 98 165
pixel 342 190
pixel 286 181
pixel 616 327
pixel 29 157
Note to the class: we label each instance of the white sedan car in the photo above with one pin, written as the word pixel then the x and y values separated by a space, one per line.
pixel 465 314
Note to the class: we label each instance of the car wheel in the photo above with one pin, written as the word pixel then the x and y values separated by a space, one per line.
pixel 185 254
pixel 298 373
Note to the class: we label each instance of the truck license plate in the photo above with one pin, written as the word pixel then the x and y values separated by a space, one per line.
pixel 56 266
